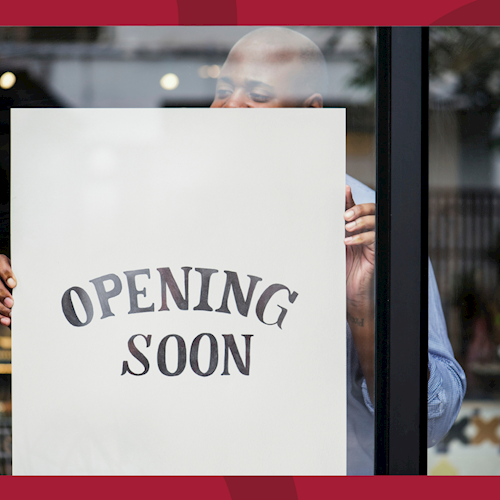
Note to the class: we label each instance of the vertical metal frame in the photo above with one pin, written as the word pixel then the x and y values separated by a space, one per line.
pixel 401 336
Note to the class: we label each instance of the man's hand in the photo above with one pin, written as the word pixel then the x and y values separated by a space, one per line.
pixel 360 251
pixel 360 267
pixel 7 283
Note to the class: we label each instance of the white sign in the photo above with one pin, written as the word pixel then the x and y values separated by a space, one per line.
pixel 181 298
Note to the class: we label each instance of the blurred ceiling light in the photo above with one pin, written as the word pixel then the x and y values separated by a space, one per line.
pixel 213 71
pixel 7 80
pixel 209 71
pixel 170 81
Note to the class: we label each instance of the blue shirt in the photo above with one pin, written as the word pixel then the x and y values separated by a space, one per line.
pixel 446 386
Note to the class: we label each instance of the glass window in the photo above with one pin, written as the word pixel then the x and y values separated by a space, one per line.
pixel 464 234
pixel 131 66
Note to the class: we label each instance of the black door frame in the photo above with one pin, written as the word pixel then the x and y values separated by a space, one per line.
pixel 401 338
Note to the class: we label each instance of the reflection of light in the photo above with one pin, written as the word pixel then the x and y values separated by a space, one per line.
pixel 7 80
pixel 213 71
pixel 209 71
pixel 170 81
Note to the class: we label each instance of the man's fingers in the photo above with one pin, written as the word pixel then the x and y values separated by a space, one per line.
pixel 6 273
pixel 7 282
pixel 361 239
pixel 349 201
pixel 6 303
pixel 4 321
pixel 4 311
pixel 361 224
pixel 5 297
pixel 359 211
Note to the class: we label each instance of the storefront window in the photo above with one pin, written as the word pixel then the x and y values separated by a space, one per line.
pixel 147 67
pixel 464 234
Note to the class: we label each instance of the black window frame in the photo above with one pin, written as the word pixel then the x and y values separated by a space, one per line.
pixel 402 265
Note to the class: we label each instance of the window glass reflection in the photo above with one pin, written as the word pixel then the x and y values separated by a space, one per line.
pixel 183 67
pixel 464 234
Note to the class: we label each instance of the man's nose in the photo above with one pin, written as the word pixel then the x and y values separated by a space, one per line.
pixel 236 100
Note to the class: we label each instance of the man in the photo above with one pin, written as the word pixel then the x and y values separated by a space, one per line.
pixel 277 67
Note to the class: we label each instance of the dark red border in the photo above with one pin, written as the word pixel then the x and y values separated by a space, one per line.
pixel 214 488
pixel 247 12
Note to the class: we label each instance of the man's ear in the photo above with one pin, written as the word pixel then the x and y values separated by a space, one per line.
pixel 315 101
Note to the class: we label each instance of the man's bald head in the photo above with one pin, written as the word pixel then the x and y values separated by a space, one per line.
pixel 285 46
pixel 283 66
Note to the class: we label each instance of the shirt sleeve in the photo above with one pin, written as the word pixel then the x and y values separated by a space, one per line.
pixel 447 384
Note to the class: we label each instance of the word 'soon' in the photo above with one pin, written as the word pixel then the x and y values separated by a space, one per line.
pixel 178 345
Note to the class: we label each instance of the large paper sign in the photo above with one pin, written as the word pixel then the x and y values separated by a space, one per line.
pixel 181 298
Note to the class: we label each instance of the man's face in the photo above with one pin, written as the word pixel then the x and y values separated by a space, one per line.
pixel 256 75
